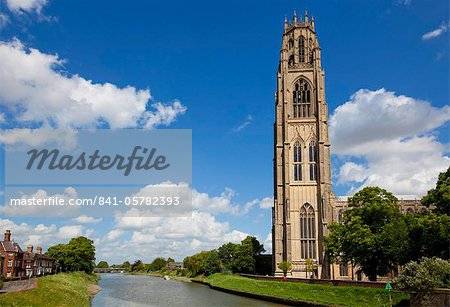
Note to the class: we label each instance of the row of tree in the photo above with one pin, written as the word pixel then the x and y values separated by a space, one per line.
pixel 377 238
pixel 237 258
pixel 77 255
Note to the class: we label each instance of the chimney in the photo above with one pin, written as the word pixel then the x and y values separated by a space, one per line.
pixel 30 248
pixel 39 250
pixel 7 235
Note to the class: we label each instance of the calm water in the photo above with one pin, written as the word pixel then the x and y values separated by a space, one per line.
pixel 127 290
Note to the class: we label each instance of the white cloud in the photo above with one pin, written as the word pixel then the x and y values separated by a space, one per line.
pixel 4 20
pixel 352 172
pixel 268 243
pixel 34 89
pixel 68 232
pixel 18 6
pixel 404 2
pixel 114 234
pixel 2 118
pixel 436 32
pixel 175 237
pixel 266 203
pixel 84 219
pixel 244 125
pixel 393 135
pixel 65 138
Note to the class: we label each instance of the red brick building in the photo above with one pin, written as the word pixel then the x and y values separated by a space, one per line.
pixel 35 263
pixel 12 256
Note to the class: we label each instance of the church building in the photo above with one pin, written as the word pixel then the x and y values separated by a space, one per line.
pixel 304 203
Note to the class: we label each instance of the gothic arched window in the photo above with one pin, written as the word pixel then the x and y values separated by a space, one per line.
pixel 307 232
pixel 340 216
pixel 297 161
pixel 291 61
pixel 301 49
pixel 290 44
pixel 302 99
pixel 312 161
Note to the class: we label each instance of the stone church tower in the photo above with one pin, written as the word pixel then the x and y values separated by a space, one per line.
pixel 302 175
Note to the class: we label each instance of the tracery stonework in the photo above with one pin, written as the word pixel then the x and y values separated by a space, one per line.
pixel 304 203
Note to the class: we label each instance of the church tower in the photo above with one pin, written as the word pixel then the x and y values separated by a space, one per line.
pixel 302 175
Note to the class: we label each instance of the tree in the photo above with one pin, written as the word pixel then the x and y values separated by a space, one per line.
pixel 195 263
pixel 138 265
pixel 126 265
pixel 212 263
pixel 170 260
pixel 428 236
pixel 440 196
pixel 285 266
pixel 103 265
pixel 157 264
pixel 423 277
pixel 370 234
pixel 244 260
pixel 257 248
pixel 227 254
pixel 310 266
pixel 77 255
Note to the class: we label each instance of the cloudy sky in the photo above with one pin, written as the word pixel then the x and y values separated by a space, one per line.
pixel 211 68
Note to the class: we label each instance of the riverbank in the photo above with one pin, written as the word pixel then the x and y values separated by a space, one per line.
pixel 68 289
pixel 300 293
pixel 171 274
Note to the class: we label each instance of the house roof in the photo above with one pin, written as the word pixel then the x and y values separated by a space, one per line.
pixel 11 246
pixel 28 256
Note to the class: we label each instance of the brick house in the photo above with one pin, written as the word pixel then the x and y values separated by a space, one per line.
pixel 35 263
pixel 12 257
pixel 43 265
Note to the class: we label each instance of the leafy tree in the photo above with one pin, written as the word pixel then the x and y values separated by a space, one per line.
pixel 310 266
pixel 370 233
pixel 212 263
pixel 138 265
pixel 428 236
pixel 195 263
pixel 285 266
pixel 244 261
pixel 170 260
pixel 77 255
pixel 157 264
pixel 103 265
pixel 423 277
pixel 440 196
pixel 126 265
pixel 227 254
pixel 257 248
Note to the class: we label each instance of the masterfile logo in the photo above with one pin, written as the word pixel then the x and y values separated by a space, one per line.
pixel 103 172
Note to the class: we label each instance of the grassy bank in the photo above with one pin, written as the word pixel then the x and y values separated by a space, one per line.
pixel 318 294
pixel 71 289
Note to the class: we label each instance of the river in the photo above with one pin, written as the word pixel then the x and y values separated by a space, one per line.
pixel 138 290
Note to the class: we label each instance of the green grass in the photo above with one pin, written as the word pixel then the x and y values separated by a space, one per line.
pixel 309 293
pixel 70 289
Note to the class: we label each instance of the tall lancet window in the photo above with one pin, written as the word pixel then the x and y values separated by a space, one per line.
pixel 302 99
pixel 307 232
pixel 297 161
pixel 301 49
pixel 312 161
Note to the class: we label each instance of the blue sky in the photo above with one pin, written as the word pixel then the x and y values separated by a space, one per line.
pixel 220 59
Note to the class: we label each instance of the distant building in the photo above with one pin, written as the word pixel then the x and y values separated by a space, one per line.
pixel 174 265
pixel 12 256
pixel 36 264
